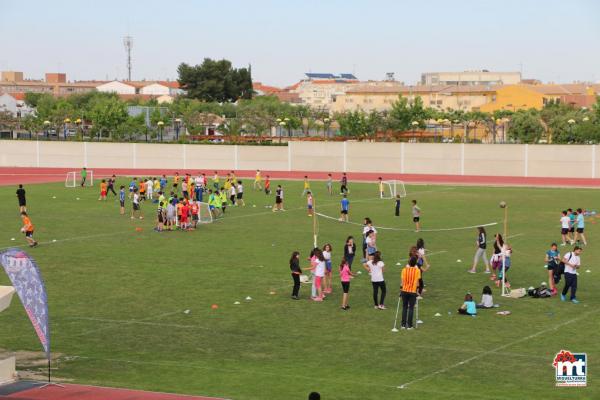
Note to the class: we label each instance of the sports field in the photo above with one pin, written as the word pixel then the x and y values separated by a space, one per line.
pixel 118 295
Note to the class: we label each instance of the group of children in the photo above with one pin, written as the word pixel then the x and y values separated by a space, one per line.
pixel 572 226
pixel 321 268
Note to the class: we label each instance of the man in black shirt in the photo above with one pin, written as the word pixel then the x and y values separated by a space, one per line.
pixel 21 197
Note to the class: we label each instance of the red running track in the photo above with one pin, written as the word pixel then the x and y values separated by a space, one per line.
pixel 14 176
pixel 83 392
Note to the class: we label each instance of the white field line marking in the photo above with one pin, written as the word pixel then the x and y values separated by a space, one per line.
pixel 75 238
pixel 178 364
pixel 497 349
pixel 409 229
pixel 480 351
pixel 125 322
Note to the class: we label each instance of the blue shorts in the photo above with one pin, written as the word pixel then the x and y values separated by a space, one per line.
pixel 211 207
pixel 328 265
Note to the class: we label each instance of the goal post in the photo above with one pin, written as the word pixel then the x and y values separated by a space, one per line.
pixel 204 214
pixel 392 188
pixel 73 179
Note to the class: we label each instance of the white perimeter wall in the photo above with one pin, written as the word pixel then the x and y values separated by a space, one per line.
pixel 405 158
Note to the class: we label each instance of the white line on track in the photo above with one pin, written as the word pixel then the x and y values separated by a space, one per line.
pixel 495 350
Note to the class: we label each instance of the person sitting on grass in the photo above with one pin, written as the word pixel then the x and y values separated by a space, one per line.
pixel 468 307
pixel 487 301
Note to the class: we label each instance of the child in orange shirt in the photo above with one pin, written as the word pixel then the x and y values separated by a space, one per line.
pixel 103 190
pixel 27 229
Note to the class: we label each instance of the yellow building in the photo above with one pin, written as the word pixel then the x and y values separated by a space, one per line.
pixel 518 97
pixel 376 98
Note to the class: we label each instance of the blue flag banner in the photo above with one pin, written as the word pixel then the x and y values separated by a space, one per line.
pixel 25 277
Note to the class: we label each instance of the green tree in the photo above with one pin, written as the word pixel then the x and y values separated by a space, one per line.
pixel 215 81
pixel 352 123
pixel 107 114
pixel 526 127
pixel 403 113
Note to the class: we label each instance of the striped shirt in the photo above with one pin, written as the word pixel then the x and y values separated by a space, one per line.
pixel 410 279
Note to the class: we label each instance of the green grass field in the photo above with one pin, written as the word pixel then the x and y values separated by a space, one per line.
pixel 117 299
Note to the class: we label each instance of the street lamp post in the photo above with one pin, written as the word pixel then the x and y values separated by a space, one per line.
pixel 67 121
pixel 46 127
pixel 571 122
pixel 327 121
pixel 414 126
pixel 177 127
pixel 160 125
pixel 287 123
pixel 281 128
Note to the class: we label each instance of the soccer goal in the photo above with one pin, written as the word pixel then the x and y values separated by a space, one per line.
pixel 73 179
pixel 204 214
pixel 393 188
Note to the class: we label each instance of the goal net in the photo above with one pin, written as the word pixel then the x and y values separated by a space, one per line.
pixel 73 179
pixel 393 188
pixel 204 214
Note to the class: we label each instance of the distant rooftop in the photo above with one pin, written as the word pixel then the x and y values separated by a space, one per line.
pixel 316 75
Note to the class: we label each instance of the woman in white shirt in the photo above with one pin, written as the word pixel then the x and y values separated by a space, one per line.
pixel 375 268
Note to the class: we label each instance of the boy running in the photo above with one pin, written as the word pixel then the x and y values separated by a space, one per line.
pixel 149 189
pixel 397 213
pixel 381 189
pixel 344 184
pixel 306 186
pixel 240 194
pixel 216 180
pixel 345 204
pixel 268 185
pixel 258 180
pixel 27 229
pixel 329 184
pixel 163 183
pixel 83 176
pixel 223 197
pixel 416 213
pixel 111 185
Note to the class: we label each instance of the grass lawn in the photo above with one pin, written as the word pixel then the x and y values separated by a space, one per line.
pixel 117 298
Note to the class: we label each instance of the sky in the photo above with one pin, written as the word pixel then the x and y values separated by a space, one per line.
pixel 550 40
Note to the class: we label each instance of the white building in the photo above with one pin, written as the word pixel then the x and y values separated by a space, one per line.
pixel 162 88
pixel 14 104
pixel 470 78
pixel 117 87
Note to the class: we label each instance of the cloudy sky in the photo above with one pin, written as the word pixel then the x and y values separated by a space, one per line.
pixel 551 40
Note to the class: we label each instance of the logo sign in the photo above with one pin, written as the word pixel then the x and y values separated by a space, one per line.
pixel 571 368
